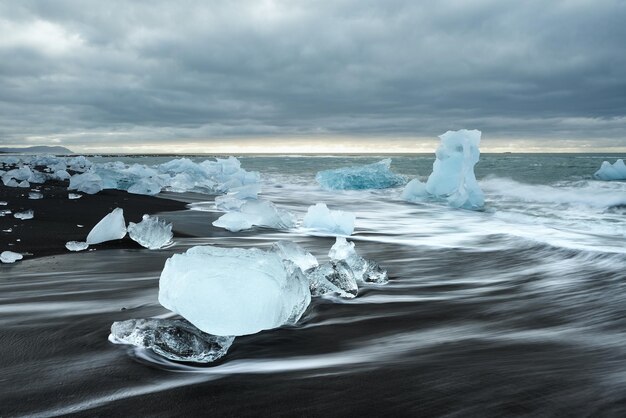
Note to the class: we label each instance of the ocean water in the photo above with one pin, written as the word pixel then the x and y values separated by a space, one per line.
pixel 519 309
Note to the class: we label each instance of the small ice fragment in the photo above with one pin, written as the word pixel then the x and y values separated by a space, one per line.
pixel 10 257
pixel 2 203
pixel 24 184
pixel 414 191
pixel 333 277
pixel 256 212
pixel 9 182
pixel 76 245
pixel 174 339
pixel 320 218
pixel 35 195
pixel 8 230
pixel 74 196
pixel 80 226
pixel 111 227
pixel 371 176
pixel 152 232
pixel 364 270
pixel 233 291
pixel 27 214
pixel 4 212
pixel 289 250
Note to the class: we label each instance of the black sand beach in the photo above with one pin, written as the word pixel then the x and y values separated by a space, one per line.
pixel 57 218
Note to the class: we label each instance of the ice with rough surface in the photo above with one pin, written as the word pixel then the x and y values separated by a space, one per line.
pixel 256 213
pixel 152 232
pixel 89 183
pixel 27 214
pixel 173 339
pixel 111 227
pixel 233 291
pixel 332 277
pixel 364 270
pixel 10 257
pixel 289 250
pixel 320 218
pixel 615 171
pixel 76 245
pixel 453 176
pixel 371 176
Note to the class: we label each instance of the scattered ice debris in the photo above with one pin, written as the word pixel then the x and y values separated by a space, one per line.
pixel 289 250
pixel 333 277
pixel 233 291
pixel 174 339
pixel 2 203
pixel 76 245
pixel 320 218
pixel 4 212
pixel 365 271
pixel 74 196
pixel 89 183
pixel 256 213
pixel 453 172
pixel 608 171
pixel 27 214
pixel 152 232
pixel 10 257
pixel 7 230
pixel 371 176
pixel 35 195
pixel 111 227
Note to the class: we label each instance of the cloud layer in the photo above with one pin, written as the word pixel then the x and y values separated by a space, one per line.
pixel 118 73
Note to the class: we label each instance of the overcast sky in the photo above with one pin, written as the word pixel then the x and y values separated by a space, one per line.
pixel 187 75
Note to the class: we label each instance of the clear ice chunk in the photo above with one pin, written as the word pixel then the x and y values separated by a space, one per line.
pixel 173 339
pixel 233 291
pixel 608 171
pixel 371 176
pixel 320 218
pixel 289 250
pixel 256 213
pixel 27 214
pixel 332 277
pixel 111 227
pixel 365 271
pixel 10 257
pixel 152 232
pixel 76 245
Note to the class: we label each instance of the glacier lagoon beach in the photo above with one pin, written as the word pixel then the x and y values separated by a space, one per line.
pixel 518 309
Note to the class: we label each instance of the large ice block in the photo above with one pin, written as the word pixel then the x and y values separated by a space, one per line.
pixel 371 176
pixel 320 218
pixel 233 291
pixel 111 227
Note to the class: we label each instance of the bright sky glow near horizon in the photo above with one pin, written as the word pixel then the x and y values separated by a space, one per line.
pixel 312 76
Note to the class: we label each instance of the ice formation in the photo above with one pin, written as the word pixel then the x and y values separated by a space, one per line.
pixel 89 183
pixel 171 338
pixel 453 176
pixel 27 214
pixel 152 232
pixel 320 218
pixel 371 176
pixel 615 171
pixel 233 291
pixel 256 213
pixel 76 245
pixel 111 227
pixel 365 271
pixel 10 257
pixel 288 250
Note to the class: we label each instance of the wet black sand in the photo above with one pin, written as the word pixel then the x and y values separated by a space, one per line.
pixel 57 218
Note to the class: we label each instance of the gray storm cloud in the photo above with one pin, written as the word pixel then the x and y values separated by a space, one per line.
pixel 117 72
